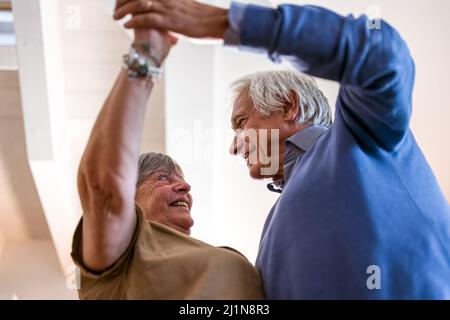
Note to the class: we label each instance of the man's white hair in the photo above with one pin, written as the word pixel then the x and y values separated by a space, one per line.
pixel 272 91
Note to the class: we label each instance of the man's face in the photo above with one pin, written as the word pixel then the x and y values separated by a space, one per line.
pixel 166 199
pixel 259 139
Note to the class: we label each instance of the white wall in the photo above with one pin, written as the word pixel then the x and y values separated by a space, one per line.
pixel 230 209
pixel 30 270
pixel 28 264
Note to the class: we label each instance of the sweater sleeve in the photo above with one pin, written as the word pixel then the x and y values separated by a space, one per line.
pixel 373 66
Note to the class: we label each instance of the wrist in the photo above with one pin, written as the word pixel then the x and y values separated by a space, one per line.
pixel 215 26
pixel 141 66
pixel 220 23
pixel 146 50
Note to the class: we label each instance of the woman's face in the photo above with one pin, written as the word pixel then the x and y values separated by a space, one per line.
pixel 165 198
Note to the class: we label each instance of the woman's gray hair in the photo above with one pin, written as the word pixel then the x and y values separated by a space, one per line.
pixel 152 162
pixel 271 91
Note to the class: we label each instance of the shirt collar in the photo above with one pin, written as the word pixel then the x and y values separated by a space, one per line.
pixel 296 146
pixel 305 138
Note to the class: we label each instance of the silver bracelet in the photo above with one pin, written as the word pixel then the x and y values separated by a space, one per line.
pixel 138 66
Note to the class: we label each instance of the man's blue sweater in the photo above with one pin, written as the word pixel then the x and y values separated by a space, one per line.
pixel 362 215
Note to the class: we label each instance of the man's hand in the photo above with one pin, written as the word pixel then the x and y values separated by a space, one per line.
pixel 186 17
pixel 157 43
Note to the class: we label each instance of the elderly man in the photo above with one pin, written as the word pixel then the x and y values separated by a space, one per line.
pixel 361 215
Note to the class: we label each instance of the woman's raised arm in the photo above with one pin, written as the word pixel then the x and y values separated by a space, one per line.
pixel 108 169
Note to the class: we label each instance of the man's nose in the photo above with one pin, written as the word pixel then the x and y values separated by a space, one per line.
pixel 233 147
pixel 236 146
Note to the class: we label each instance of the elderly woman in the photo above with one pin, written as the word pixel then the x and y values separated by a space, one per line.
pixel 133 240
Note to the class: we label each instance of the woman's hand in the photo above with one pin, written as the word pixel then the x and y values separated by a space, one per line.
pixel 154 44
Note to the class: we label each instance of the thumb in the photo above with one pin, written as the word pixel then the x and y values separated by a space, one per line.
pixel 172 40
pixel 173 37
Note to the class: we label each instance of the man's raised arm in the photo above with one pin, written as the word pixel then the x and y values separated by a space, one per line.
pixel 373 65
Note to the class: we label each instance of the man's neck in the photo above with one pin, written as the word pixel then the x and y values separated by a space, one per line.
pixel 295 128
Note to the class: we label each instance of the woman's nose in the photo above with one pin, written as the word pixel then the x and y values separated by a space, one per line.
pixel 182 186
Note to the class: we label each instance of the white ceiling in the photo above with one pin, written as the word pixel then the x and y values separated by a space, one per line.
pixel 21 212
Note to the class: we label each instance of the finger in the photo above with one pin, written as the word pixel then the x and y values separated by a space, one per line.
pixel 146 21
pixel 172 40
pixel 175 35
pixel 120 3
pixel 136 7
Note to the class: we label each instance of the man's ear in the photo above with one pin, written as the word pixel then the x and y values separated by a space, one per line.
pixel 291 109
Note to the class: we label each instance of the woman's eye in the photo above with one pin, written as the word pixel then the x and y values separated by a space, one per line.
pixel 163 177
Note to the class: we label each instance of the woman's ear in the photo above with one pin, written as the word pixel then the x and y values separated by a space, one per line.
pixel 291 109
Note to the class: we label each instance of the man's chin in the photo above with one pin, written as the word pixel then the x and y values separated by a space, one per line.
pixel 255 173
